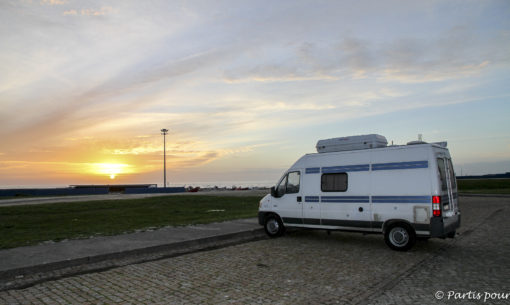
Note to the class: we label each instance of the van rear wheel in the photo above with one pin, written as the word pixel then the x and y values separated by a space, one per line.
pixel 273 226
pixel 400 237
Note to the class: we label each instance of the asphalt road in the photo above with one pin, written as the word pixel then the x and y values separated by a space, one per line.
pixel 311 267
pixel 81 198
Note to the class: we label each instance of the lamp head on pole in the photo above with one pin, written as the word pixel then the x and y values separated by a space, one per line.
pixel 164 131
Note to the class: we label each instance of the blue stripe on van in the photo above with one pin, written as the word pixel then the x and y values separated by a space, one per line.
pixel 345 168
pixel 313 170
pixel 401 199
pixel 311 198
pixel 400 165
pixel 366 167
pixel 345 199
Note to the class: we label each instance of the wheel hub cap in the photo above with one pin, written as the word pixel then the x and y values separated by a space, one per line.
pixel 399 237
pixel 273 226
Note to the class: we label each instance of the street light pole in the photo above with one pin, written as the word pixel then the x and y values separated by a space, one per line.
pixel 164 132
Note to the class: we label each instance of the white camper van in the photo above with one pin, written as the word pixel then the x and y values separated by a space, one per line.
pixel 361 184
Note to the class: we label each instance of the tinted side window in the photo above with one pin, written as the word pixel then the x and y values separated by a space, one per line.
pixel 442 173
pixel 334 182
pixel 281 186
pixel 452 175
pixel 293 183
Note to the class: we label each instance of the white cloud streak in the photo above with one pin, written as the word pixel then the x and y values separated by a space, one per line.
pixel 54 2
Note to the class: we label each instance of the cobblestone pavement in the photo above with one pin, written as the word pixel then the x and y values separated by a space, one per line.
pixel 309 267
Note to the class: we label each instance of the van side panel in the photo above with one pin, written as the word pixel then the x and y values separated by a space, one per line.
pixel 401 186
pixel 350 208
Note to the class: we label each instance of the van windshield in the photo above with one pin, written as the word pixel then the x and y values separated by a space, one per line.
pixel 280 189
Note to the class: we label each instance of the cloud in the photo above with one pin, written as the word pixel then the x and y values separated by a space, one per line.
pixel 105 10
pixel 269 74
pixel 54 2
pixel 449 88
pixel 70 13
pixel 280 63
pixel 457 53
pixel 454 54
pixel 432 72
pixel 70 112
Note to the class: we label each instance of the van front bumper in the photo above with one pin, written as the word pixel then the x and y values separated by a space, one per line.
pixel 441 227
pixel 262 216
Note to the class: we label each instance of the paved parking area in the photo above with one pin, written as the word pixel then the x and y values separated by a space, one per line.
pixel 311 267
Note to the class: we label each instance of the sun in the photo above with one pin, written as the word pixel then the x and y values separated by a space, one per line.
pixel 111 170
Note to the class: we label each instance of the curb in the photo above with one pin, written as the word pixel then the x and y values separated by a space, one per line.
pixel 25 277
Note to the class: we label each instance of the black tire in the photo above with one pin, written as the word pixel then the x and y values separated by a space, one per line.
pixel 400 237
pixel 273 226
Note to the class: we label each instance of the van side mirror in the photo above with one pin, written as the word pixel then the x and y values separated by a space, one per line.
pixel 273 192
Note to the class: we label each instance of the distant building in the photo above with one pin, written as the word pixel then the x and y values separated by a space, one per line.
pixel 117 188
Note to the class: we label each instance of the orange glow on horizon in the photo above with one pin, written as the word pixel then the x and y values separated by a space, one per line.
pixel 92 160
pixel 110 169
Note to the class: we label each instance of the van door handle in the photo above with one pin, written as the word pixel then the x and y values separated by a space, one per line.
pixel 298 198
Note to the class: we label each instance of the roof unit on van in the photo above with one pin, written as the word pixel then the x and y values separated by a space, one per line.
pixel 351 143
pixel 416 142
pixel 443 144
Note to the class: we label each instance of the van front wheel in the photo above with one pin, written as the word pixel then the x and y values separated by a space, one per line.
pixel 400 237
pixel 273 226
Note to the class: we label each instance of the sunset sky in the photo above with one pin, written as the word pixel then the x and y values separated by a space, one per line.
pixel 245 87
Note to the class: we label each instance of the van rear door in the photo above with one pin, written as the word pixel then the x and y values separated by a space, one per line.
pixel 445 184
pixel 452 186
pixel 448 186
pixel 449 201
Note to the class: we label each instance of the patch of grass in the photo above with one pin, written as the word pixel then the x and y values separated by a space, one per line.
pixel 487 191
pixel 484 186
pixel 31 224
